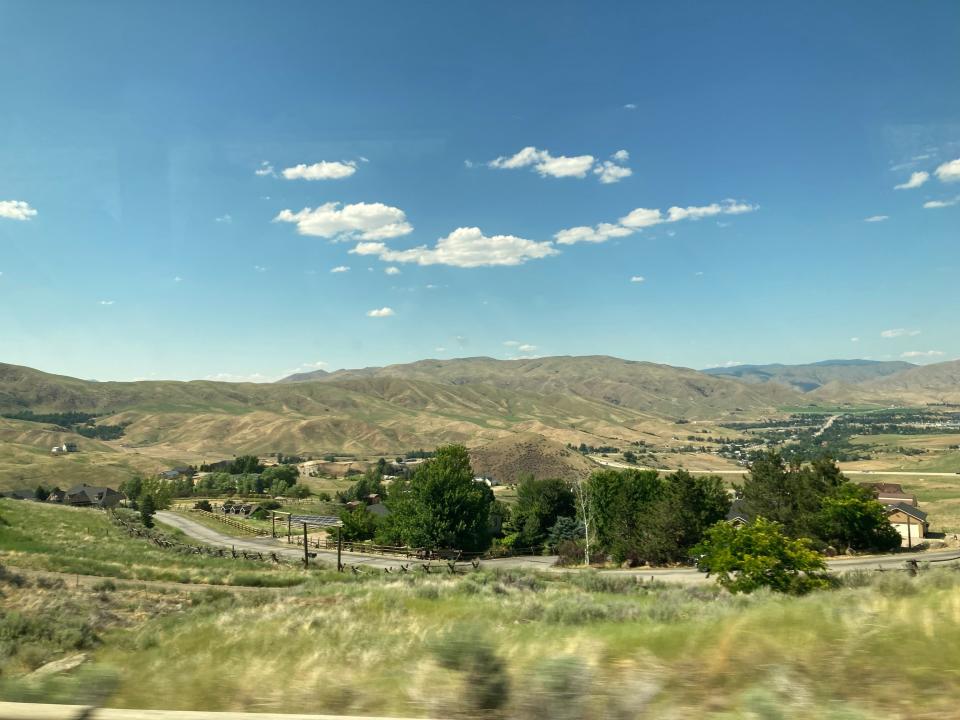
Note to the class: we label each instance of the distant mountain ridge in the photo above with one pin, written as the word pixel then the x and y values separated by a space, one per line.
pixel 811 376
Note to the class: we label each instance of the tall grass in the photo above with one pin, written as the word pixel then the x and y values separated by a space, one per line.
pixel 84 541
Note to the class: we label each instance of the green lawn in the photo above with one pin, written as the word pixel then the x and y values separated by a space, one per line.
pixel 85 541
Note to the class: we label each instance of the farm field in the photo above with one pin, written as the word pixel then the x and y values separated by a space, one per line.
pixel 486 644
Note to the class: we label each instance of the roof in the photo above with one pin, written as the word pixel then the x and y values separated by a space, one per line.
pixel 20 494
pixel 738 512
pixel 907 510
pixel 882 488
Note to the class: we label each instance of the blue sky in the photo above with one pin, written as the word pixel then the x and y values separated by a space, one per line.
pixel 513 165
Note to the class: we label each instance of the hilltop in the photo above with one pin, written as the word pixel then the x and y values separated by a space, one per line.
pixel 811 376
pixel 508 459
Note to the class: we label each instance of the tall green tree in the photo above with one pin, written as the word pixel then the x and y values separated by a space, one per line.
pixel 147 510
pixel 440 506
pixel 358 524
pixel 539 504
pixel 621 501
pixel 789 494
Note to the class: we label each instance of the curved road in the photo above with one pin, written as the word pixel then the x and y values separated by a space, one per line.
pixel 529 562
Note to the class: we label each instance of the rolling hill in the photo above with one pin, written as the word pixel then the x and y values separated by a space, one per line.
pixel 508 459
pixel 388 410
pixel 811 376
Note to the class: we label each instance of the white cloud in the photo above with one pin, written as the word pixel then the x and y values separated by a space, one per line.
pixel 601 233
pixel 630 106
pixel 16 210
pixel 640 218
pixel 526 348
pixel 392 270
pixel 949 171
pixel 464 247
pixel 469 164
pixel 106 302
pixel 727 364
pixel 933 204
pixel 561 166
pixel 322 170
pixel 916 180
pixel 899 332
pixel 177 279
pixel 439 349
pixel 364 221
pixel 341 269
pixel 546 164
pixel 876 218
pixel 854 339
pixel 265 169
pixel 259 268
pixel 381 312
pixel 223 219
pixel 637 279
pixel 610 172
pixel 921 353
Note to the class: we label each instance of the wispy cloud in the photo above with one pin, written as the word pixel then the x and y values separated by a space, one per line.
pixel 876 218
pixel 933 204
pixel 854 339
pixel 177 279
pixel 363 221
pixel 265 170
pixel 630 106
pixel 466 248
pixel 916 180
pixel 727 364
pixel 106 302
pixel 899 332
pixel 223 219
pixel 922 353
pixel 322 170
pixel 16 210
pixel 259 268
pixel 341 269
pixel 637 279
pixel 392 270
pixel 381 312
pixel 641 218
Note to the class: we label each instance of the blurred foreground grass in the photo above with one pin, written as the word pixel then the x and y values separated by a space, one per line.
pixel 494 645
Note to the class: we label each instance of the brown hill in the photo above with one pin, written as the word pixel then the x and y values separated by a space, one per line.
pixel 508 459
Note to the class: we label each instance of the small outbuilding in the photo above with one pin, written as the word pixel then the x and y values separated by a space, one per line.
pixel 909 521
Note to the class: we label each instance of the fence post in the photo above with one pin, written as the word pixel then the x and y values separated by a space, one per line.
pixel 339 548
pixel 306 548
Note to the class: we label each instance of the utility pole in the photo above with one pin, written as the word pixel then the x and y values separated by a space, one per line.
pixel 909 538
pixel 273 524
pixel 289 516
pixel 339 548
pixel 306 556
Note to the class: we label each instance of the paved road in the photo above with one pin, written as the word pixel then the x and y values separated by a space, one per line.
pixel 531 562
pixel 826 426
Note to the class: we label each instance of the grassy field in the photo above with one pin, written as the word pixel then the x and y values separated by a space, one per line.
pixel 486 644
pixel 85 541
pixel 522 646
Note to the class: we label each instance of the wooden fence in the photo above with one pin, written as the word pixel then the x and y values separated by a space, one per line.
pixel 232 522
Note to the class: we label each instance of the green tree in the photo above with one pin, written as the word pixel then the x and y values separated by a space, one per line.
pixel 41 494
pixel 370 483
pixel 759 555
pixel 677 520
pixel 358 524
pixel 147 510
pixel 852 518
pixel 621 503
pixel 539 504
pixel 630 456
pixel 440 505
pixel 245 464
pixel 288 474
pixel 789 494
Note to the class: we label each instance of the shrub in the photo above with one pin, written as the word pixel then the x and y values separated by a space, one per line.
pixel 466 651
